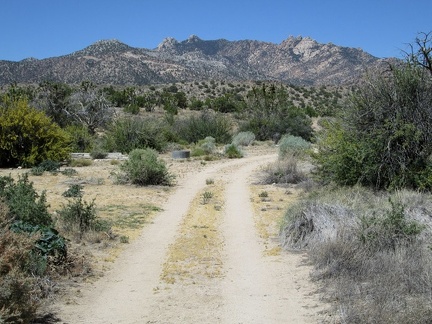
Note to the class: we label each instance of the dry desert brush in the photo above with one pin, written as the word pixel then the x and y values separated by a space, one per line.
pixel 371 251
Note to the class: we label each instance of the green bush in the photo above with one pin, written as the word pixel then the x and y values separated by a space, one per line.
pixel 28 136
pixel 290 145
pixel 383 140
pixel 145 168
pixel 207 145
pixel 127 134
pixel 24 203
pixel 194 128
pixel 232 151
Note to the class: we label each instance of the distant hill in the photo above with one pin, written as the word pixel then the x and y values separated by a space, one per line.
pixel 296 60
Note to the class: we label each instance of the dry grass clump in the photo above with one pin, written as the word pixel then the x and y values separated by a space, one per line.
pixel 283 172
pixel 371 252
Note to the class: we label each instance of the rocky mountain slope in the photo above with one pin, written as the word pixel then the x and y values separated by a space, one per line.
pixel 296 60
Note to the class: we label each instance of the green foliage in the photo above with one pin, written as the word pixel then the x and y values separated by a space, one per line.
pixel 384 140
pixel 227 103
pixel 145 168
pixel 23 202
pixel 28 136
pixel 49 243
pixel 270 111
pixel 127 134
pixel 194 128
pixel 232 151
pixel 81 139
pixel 290 145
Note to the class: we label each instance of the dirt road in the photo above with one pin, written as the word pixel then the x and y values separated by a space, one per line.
pixel 202 261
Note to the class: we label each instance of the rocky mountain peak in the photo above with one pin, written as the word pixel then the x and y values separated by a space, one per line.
pixel 167 44
pixel 103 47
pixel 193 39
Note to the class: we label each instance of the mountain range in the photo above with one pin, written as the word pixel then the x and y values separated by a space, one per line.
pixel 296 60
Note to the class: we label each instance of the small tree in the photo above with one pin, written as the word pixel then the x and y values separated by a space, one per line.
pixel 90 108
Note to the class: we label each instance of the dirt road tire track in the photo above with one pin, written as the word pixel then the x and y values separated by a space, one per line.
pixel 254 290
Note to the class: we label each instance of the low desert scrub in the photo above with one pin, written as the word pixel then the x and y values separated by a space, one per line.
pixel 232 151
pixel 282 172
pixel 292 146
pixel 206 146
pixel 370 251
pixel 80 163
pixel 79 216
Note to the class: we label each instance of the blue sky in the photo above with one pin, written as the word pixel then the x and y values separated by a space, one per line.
pixel 47 28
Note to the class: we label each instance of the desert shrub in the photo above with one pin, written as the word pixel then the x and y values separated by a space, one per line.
pixel 37 171
pixel 204 147
pixel 23 202
pixel 80 162
pixel 232 151
pixel 370 251
pixel 127 134
pixel 145 168
pixel 69 172
pixel 50 166
pixel 383 139
pixel 295 146
pixel 81 139
pixel 133 109
pixel 48 247
pixel 390 230
pixel 194 128
pixel 243 138
pixel 79 215
pixel 283 172
pixel 28 136
pixel 74 190
pixel 20 292
pixel 98 153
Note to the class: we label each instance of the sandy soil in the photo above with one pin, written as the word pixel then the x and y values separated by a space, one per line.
pixel 210 255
